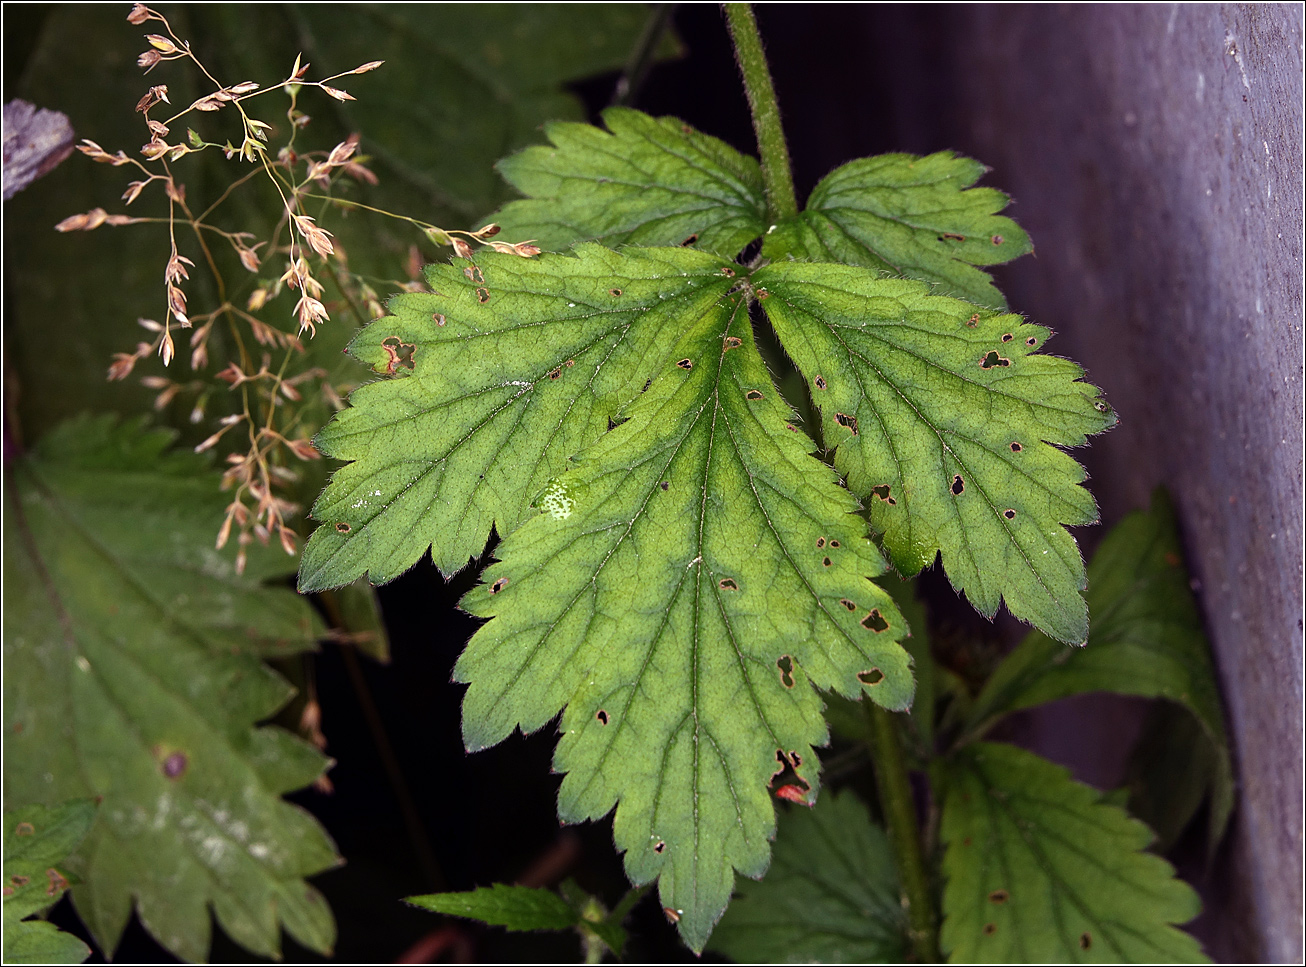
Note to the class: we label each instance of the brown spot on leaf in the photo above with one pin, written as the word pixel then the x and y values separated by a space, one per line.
pixel 614 292
pixel 498 585
pixel 973 321
pixel 24 829
pixel 685 364
pixel 398 353
pixel 872 676
pixel 952 237
pixel 18 881
pixel 850 605
pixel 999 896
pixel 733 342
pixel 1085 940
pixel 992 359
pixel 601 716
pixel 690 240
pixel 819 381
pixel 555 373
pixel 728 272
pixel 958 485
pixel 875 621
pixel 753 394
pixel 1009 514
pixel 996 240
pixel 571 362
pixel 1016 447
pixel 990 929
pixel 58 882
pixel 843 419
pixel 727 584
pixel 665 484
pixel 343 528
pixel 763 295
pixel 438 318
pixel 482 295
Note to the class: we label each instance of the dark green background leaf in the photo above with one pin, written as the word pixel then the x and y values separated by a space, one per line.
pixel 1145 639
pixel 1040 870
pixel 132 673
pixel 830 896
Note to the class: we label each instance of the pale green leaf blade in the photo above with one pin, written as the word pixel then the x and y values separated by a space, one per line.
pixel 909 216
pixel 644 181
pixel 948 421
pixel 513 907
pixel 1040 870
pixel 116 687
pixel 516 365
pixel 687 583
pixel 831 895
pixel 1145 639
pixel 38 942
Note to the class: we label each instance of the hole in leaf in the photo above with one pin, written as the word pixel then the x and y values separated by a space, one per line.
pixel 614 292
pixel 753 394
pixel 685 364
pixel 647 383
pixel 990 929
pixel 851 606
pixel 397 354
pixel 659 847
pixel 438 318
pixel 174 766
pixel 555 373
pixel 1085 940
pixel 826 562
pixel 882 492
pixel 834 543
pixel 601 716
pixel 998 896
pixel 952 237
pixel 875 621
pixel 727 584
pixel 1009 514
pixel 763 295
pixel 482 295
pixel 664 484
pixel 1016 447
pixel 473 273
pixel 728 272
pixel 843 419
pixel 872 677
pixel 498 585
pixel 1100 407
pixel 993 359
pixel 1007 337
pixel 1031 341
pixel 819 381
pixel 343 528
pixel 973 321
pixel 820 543
pixel 57 882
pixel 786 666
pixel 733 342
pixel 18 881
pixel 996 240
pixel 958 485
pixel 795 760
pixel 689 241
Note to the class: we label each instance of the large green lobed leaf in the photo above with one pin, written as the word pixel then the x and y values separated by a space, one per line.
pixel 685 586
pixel 1041 870
pixel 132 674
pixel 37 841
pixel 943 416
pixel 831 895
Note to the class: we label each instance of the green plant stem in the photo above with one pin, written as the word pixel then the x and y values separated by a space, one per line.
pixel 904 833
pixel 771 145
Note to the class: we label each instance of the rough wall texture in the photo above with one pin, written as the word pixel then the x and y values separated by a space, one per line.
pixel 1155 153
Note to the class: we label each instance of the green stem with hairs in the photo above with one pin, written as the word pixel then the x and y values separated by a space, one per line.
pixel 771 145
pixel 899 809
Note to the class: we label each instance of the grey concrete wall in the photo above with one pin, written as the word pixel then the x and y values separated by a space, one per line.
pixel 1155 153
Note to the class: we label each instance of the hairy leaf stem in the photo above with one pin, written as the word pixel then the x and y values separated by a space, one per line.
pixel 904 833
pixel 771 145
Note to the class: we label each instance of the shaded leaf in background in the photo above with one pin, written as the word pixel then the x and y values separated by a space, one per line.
pixel 37 841
pixel 944 418
pixel 133 673
pixel 830 896
pixel 1146 639
pixel 511 366
pixel 644 181
pixel 685 586
pixel 908 216
pixel 1040 870
pixel 500 905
